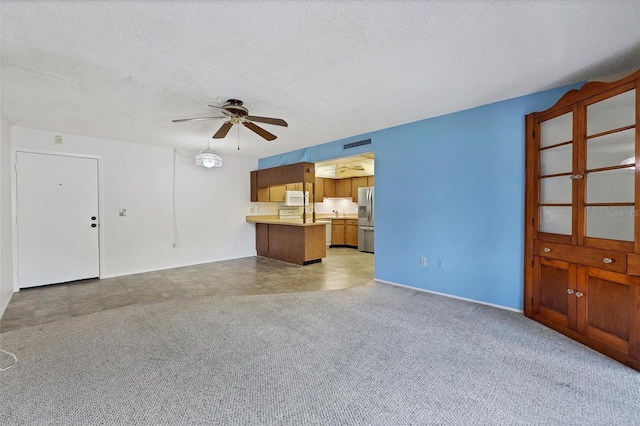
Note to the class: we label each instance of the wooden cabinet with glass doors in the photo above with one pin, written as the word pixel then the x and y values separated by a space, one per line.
pixel 582 228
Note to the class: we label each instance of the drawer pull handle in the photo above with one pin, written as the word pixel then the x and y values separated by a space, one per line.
pixel 607 260
pixel 574 177
pixel 579 294
pixel 547 249
pixel 570 291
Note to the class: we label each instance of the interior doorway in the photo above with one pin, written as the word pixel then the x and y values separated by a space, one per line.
pixel 348 203
pixel 57 224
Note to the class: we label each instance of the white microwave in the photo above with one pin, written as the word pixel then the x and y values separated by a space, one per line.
pixel 296 198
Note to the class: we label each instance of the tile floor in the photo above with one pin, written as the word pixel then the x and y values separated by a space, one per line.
pixel 342 268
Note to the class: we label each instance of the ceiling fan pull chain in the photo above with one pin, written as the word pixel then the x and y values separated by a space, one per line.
pixel 238 138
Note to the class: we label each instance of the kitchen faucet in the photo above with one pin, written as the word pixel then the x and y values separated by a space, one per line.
pixel 336 212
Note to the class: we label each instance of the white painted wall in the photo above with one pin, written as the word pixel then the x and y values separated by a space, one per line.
pixel 211 204
pixel 6 244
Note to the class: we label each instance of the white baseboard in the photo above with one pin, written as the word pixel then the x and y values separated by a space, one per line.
pixel 506 308
pixel 183 265
pixel 5 304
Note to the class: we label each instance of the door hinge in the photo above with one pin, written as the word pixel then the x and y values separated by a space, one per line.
pixel 532 263
pixel 533 134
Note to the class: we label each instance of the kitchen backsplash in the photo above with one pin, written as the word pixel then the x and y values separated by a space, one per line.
pixel 341 205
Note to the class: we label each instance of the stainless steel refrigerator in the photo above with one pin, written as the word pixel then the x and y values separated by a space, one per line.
pixel 365 219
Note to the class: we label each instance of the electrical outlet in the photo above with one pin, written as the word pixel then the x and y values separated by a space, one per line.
pixel 123 212
pixel 441 263
pixel 58 139
pixel 423 261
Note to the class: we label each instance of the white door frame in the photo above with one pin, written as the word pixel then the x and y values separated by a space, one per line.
pixel 14 206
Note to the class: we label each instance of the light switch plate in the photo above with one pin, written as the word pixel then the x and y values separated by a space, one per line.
pixel 123 212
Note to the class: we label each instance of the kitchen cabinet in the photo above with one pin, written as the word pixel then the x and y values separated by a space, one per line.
pixel 276 193
pixel 293 243
pixel 262 181
pixel 330 188
pixel 582 233
pixel 343 188
pixel 371 181
pixel 253 176
pixel 294 186
pixel 344 232
pixel 357 182
pixel 257 193
pixel 319 190
pixel 351 233
pixel 263 194
pixel 262 239
pixel 338 232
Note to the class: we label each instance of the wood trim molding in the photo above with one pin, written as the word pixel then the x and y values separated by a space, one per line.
pixel 589 89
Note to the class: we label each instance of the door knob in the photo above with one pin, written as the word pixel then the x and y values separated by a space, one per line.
pixel 575 177
pixel 547 249
pixel 579 294
pixel 570 291
pixel 93 218
pixel 607 260
pixel 93 225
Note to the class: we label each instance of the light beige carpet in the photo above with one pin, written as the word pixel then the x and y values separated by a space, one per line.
pixel 374 354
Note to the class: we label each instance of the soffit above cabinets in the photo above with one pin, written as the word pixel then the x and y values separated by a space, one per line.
pixel 346 167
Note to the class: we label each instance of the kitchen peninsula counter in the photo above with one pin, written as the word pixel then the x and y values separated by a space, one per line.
pixel 275 220
pixel 289 240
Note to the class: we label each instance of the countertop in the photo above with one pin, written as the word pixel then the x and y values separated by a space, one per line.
pixel 333 216
pixel 273 219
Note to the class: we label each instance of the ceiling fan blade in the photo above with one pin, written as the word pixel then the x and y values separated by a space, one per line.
pixel 259 130
pixel 222 131
pixel 268 120
pixel 222 110
pixel 195 119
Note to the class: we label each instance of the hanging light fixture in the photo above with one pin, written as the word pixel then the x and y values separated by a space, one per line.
pixel 208 158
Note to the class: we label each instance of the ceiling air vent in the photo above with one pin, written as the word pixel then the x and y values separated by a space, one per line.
pixel 356 144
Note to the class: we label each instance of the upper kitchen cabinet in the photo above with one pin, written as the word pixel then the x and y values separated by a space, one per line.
pixel 253 178
pixel 330 188
pixel 319 197
pixel 279 177
pixel 370 181
pixel 343 188
pixel 582 234
pixel 276 193
pixel 357 182
pixel 294 186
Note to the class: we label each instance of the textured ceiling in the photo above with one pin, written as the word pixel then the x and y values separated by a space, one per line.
pixel 332 69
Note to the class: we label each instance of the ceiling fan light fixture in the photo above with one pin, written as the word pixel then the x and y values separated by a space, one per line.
pixel 208 158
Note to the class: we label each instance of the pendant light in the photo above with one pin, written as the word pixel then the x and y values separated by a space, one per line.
pixel 208 158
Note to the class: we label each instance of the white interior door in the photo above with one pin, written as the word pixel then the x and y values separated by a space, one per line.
pixel 57 223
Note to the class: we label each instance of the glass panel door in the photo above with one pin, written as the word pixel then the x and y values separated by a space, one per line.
pixel 556 165
pixel 610 168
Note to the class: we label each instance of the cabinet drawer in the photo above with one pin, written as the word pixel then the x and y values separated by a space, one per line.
pixel 633 264
pixel 352 222
pixel 338 221
pixel 603 259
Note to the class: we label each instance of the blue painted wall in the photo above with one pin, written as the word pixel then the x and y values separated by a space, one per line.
pixel 450 188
